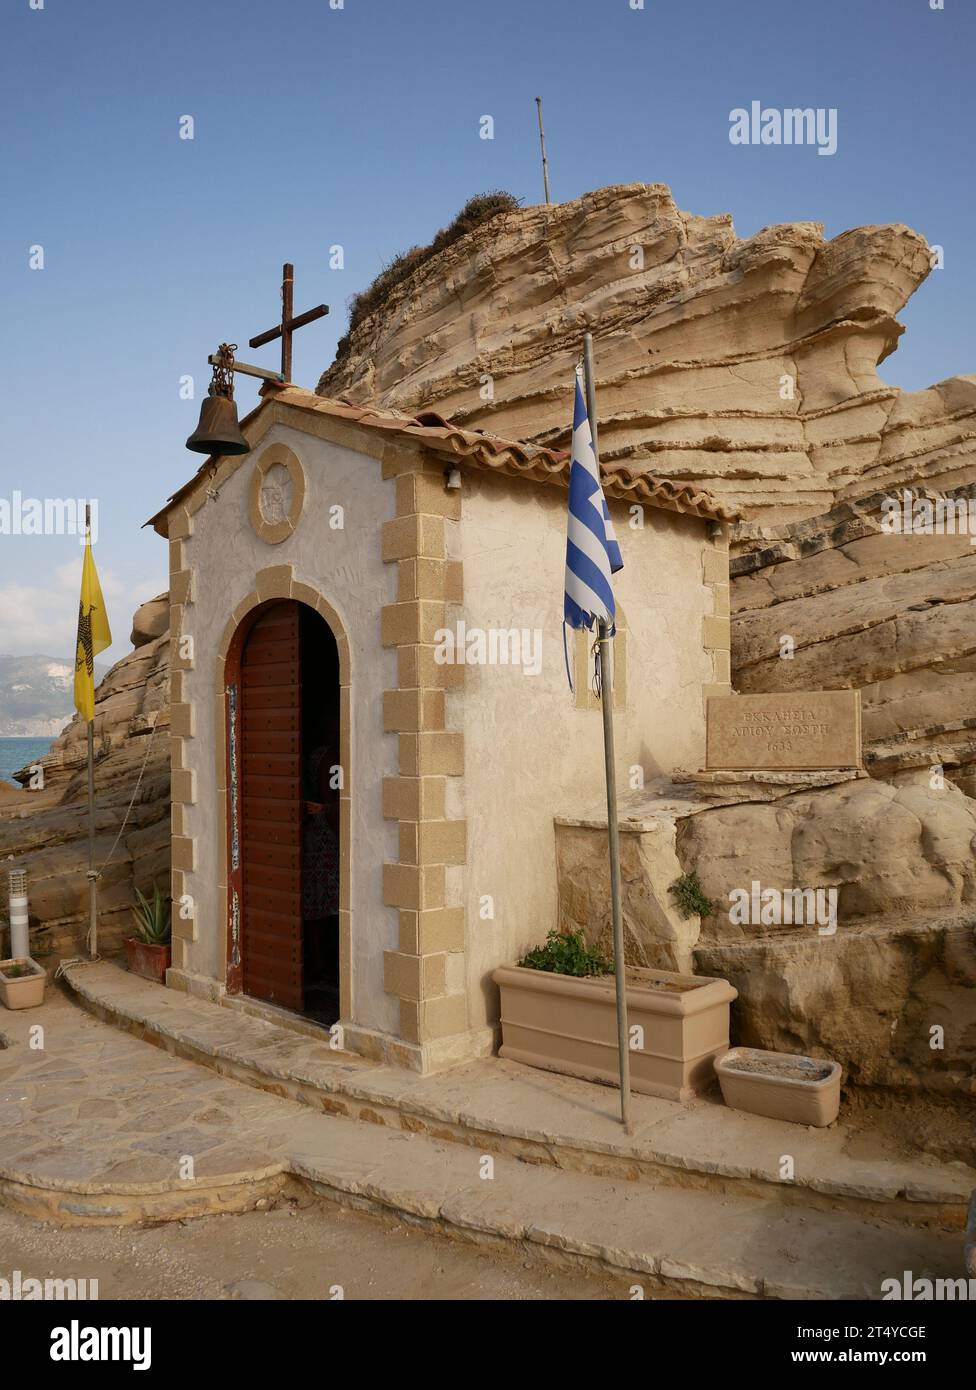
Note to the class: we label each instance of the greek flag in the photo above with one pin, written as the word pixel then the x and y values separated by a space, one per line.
pixel 592 552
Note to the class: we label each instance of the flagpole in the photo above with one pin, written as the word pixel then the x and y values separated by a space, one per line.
pixel 606 699
pixel 92 875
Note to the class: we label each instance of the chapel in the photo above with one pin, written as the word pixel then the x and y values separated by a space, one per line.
pixel 372 722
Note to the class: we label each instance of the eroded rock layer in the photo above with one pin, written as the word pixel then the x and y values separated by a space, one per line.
pixel 839 602
pixel 747 366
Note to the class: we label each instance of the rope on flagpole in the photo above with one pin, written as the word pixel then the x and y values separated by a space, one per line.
pixel 132 801
pixel 93 874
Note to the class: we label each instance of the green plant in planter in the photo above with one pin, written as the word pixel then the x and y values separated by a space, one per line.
pixel 17 972
pixel 566 953
pixel 152 919
pixel 690 897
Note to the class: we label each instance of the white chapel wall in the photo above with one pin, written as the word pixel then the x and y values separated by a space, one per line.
pixel 530 753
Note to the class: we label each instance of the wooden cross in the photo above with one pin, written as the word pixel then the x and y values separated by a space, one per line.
pixel 287 326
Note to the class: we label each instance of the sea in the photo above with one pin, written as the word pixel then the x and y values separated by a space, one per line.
pixel 16 753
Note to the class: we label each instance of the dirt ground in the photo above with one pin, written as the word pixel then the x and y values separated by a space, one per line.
pixel 288 1252
pixel 917 1127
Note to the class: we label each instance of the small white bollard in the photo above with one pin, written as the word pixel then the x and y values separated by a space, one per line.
pixel 19 926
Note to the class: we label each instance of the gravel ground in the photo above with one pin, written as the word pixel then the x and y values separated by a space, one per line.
pixel 289 1252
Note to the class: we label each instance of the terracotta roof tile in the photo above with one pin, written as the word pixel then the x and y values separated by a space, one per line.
pixel 486 451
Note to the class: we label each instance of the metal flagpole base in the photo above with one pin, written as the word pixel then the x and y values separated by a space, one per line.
pixel 92 914
pixel 92 872
pixel 613 835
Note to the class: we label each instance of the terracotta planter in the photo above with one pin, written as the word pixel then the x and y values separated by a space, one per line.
pixel 805 1090
pixel 22 991
pixel 566 1024
pixel 151 962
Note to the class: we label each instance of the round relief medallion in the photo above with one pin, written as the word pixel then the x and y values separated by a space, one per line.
pixel 277 494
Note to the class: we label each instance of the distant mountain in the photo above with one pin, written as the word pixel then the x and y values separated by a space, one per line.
pixel 37 695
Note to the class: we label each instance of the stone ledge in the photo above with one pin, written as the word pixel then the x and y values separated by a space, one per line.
pixel 771 778
pixel 666 800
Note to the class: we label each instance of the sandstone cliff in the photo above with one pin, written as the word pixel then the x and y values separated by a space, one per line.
pixel 748 366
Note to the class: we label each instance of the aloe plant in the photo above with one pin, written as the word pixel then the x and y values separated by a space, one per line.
pixel 153 919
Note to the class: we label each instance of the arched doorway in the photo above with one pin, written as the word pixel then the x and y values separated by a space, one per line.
pixel 288 783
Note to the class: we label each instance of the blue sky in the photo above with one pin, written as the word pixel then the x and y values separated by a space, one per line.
pixel 359 126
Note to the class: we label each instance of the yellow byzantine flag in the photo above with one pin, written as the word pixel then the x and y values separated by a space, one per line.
pixel 94 635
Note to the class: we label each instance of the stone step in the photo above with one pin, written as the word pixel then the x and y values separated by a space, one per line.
pixel 668 1240
pixel 503 1108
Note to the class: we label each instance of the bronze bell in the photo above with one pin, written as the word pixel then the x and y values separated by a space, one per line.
pixel 218 431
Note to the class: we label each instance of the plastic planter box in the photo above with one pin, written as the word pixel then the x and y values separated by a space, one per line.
pixel 805 1090
pixel 565 1024
pixel 22 991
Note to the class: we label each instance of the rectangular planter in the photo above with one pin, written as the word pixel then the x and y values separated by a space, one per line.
pixel 151 962
pixel 568 1024
pixel 805 1090
pixel 22 991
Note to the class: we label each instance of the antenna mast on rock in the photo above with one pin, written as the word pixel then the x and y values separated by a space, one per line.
pixel 542 142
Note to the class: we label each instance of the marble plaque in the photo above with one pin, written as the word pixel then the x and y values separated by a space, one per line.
pixel 805 731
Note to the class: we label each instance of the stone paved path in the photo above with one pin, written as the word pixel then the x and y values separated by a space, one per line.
pixel 98 1122
pixel 94 1108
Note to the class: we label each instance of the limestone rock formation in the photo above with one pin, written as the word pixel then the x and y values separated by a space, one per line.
pixel 870 998
pixel 902 960
pixel 887 847
pixel 46 831
pixel 747 366
pixel 891 614
pixel 150 621
pixel 896 957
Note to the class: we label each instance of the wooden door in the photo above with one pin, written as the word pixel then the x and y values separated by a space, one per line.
pixel 271 806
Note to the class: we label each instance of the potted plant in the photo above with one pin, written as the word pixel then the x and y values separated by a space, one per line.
pixel 149 952
pixel 559 1013
pixel 22 983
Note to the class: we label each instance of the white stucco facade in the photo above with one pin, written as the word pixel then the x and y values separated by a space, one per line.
pixel 530 753
pixel 453 779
